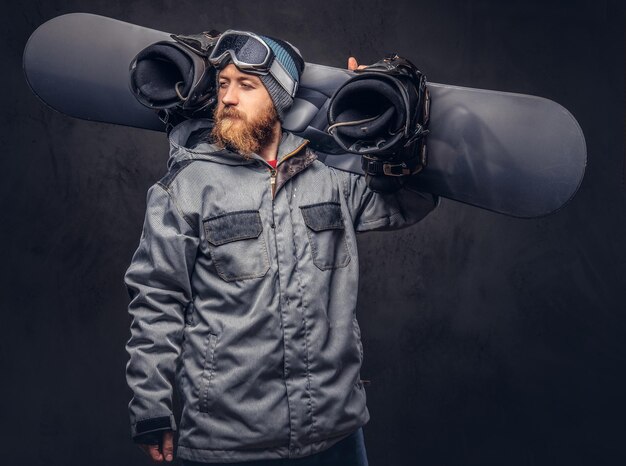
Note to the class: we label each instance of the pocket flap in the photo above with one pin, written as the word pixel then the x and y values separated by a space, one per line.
pixel 233 226
pixel 323 216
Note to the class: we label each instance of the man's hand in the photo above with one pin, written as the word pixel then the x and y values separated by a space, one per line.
pixel 164 451
pixel 353 65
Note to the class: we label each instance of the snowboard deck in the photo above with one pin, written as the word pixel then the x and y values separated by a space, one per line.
pixel 514 154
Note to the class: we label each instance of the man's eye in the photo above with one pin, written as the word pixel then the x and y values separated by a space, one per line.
pixel 246 85
pixel 223 84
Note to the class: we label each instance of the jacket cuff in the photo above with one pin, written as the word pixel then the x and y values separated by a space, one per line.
pixel 154 424
pixel 150 438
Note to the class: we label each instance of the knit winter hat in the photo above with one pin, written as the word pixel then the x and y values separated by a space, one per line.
pixel 291 60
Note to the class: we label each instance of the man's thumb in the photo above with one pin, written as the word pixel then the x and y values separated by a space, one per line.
pixel 168 445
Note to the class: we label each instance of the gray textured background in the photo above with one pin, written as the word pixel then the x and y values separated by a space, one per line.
pixel 488 340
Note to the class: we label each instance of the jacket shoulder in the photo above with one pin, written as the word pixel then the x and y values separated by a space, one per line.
pixel 173 172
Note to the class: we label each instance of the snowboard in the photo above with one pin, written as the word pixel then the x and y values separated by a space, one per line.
pixel 518 155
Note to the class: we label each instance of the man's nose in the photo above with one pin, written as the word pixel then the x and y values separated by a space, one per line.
pixel 230 96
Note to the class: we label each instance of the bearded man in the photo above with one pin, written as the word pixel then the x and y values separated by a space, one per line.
pixel 244 285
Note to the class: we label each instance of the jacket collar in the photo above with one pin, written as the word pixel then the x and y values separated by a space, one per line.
pixel 289 145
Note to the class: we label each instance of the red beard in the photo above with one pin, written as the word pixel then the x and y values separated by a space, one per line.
pixel 233 129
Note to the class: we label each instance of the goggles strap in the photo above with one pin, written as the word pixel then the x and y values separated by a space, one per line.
pixel 284 78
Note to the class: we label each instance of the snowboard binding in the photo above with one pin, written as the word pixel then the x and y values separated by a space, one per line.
pixel 382 114
pixel 175 78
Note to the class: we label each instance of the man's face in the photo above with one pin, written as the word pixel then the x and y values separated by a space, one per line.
pixel 245 116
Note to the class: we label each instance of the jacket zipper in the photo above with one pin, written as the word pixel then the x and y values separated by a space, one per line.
pixel 273 173
pixel 273 181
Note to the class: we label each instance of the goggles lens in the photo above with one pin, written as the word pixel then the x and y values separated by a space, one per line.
pixel 244 50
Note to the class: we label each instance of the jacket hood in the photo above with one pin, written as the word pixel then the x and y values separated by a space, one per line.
pixel 188 142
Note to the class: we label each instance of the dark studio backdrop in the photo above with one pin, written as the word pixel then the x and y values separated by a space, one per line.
pixel 488 340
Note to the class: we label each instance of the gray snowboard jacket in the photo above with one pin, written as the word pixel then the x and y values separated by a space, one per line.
pixel 245 300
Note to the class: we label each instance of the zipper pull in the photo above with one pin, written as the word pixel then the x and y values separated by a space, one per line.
pixel 273 180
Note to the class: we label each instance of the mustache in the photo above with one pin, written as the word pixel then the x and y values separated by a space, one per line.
pixel 232 113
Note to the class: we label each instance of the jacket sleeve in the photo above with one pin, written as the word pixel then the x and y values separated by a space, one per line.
pixel 375 211
pixel 158 282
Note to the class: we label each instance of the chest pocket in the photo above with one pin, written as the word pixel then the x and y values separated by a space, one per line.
pixel 327 236
pixel 236 245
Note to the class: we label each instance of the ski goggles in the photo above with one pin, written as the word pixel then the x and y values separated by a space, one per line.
pixel 250 53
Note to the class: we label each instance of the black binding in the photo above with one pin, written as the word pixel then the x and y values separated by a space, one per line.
pixel 390 136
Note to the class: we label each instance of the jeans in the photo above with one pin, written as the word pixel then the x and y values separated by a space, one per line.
pixel 347 452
